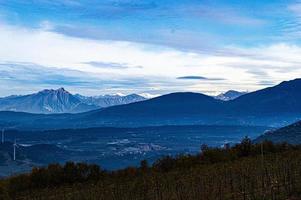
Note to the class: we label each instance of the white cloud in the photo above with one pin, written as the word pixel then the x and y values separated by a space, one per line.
pixel 158 66
pixel 295 8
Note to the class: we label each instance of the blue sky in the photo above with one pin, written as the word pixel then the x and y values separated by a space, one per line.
pixel 148 47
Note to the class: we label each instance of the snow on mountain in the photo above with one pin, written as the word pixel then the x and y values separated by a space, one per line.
pixel 229 95
pixel 110 100
pixel 61 101
pixel 45 101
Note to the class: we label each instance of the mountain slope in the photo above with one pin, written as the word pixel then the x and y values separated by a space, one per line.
pixel 46 101
pixel 176 108
pixel 284 98
pixel 174 103
pixel 171 109
pixel 290 134
pixel 274 106
pixel 61 101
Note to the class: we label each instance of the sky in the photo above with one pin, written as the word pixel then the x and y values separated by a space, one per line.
pixel 149 47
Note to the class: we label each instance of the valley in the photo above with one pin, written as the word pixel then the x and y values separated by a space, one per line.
pixel 114 148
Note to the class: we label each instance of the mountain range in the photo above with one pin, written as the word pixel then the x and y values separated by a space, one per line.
pixel 274 106
pixel 61 101
pixel 50 101
pixel 104 101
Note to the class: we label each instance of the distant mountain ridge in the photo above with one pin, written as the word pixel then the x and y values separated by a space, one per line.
pixel 51 101
pixel 282 99
pixel 45 101
pixel 104 101
pixel 275 106
pixel 230 95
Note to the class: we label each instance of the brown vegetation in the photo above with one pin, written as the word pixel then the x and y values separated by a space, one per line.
pixel 245 171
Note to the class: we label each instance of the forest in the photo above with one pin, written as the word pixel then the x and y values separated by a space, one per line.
pixel 255 171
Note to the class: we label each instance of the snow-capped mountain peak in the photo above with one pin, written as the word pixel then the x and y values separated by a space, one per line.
pixel 229 95
pixel 110 100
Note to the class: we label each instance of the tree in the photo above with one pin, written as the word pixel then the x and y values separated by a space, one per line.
pixel 245 147
pixel 144 165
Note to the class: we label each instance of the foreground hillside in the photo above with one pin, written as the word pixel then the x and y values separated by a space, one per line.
pixel 241 172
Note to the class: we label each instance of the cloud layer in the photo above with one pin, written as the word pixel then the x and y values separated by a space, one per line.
pixel 151 47
pixel 200 78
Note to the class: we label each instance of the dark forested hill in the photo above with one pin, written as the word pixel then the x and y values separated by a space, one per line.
pixel 290 134
pixel 166 106
pixel 284 98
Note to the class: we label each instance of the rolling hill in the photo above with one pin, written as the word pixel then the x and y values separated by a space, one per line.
pixel 284 98
pixel 274 106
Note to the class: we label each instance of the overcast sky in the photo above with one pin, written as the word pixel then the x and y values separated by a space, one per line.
pixel 148 47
